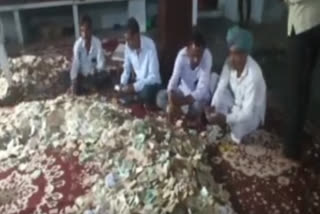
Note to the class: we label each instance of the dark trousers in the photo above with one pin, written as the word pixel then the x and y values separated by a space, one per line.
pixel 303 54
pixel 244 20
pixel 97 81
pixel 149 93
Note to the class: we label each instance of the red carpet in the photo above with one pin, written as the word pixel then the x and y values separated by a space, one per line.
pixel 138 110
pixel 61 181
pixel 260 180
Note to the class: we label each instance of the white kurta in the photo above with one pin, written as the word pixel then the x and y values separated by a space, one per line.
pixel 242 99
pixel 87 62
pixel 194 82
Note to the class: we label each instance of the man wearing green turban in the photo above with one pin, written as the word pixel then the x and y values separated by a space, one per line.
pixel 240 98
pixel 240 39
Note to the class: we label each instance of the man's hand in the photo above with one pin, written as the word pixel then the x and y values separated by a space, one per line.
pixel 209 113
pixel 174 99
pixel 179 100
pixel 219 119
pixel 127 89
pixel 188 100
pixel 209 109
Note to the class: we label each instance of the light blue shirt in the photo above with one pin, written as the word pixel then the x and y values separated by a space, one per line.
pixel 192 82
pixel 84 62
pixel 144 63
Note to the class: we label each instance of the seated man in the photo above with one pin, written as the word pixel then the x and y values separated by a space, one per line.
pixel 240 98
pixel 88 60
pixel 189 86
pixel 140 78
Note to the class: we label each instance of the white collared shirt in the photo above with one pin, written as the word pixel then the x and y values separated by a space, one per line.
pixel 84 62
pixel 249 92
pixel 303 15
pixel 192 82
pixel 144 63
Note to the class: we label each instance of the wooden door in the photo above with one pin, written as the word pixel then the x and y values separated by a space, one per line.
pixel 175 28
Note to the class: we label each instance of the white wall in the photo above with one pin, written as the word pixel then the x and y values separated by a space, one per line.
pixel 274 11
pixel 257 10
pixel 137 9
pixel 106 15
pixel 231 10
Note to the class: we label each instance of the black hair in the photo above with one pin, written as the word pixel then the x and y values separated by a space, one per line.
pixel 133 26
pixel 197 39
pixel 86 20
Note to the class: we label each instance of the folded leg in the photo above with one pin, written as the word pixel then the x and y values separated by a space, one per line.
pixel 224 102
pixel 149 93
pixel 240 130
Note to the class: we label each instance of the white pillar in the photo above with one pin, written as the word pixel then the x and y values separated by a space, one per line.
pixel 76 20
pixel 137 9
pixel 3 55
pixel 231 10
pixel 257 11
pixel 221 4
pixel 17 21
pixel 194 12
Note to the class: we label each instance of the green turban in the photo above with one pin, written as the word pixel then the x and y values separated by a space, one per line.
pixel 240 39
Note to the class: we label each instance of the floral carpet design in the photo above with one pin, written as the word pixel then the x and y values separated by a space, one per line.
pixel 48 182
pixel 262 181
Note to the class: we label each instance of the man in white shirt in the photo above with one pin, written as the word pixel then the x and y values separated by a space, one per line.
pixel 188 90
pixel 304 47
pixel 141 77
pixel 88 61
pixel 240 98
pixel 3 55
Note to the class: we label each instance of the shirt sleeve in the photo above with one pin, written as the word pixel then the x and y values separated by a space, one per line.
pixel 204 79
pixel 153 75
pixel 75 63
pixel 202 86
pixel 100 57
pixel 176 74
pixel 249 105
pixel 127 67
pixel 222 84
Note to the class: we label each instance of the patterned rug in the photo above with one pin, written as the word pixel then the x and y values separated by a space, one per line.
pixel 259 179
pixel 262 181
pixel 47 182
